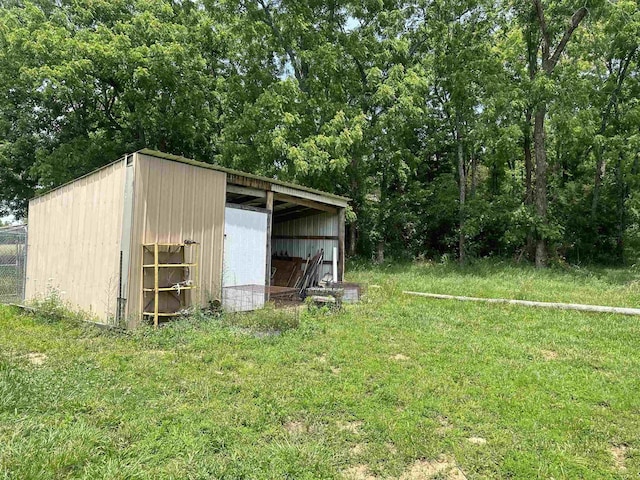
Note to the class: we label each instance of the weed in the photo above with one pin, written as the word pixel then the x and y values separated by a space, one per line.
pixel 268 318
pixel 51 308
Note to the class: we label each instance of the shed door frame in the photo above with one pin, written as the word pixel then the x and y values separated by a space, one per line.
pixel 249 208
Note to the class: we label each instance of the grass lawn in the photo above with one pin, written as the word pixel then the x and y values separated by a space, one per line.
pixel 395 387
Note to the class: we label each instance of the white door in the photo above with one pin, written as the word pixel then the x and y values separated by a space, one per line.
pixel 245 256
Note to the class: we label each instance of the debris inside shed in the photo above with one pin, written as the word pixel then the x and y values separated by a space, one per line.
pixel 311 273
pixel 304 277
pixel 286 271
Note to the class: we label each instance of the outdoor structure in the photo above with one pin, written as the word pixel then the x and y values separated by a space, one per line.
pixel 13 256
pixel 152 234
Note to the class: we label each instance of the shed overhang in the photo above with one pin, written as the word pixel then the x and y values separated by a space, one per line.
pixel 251 185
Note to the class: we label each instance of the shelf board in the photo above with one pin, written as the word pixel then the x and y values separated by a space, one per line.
pixel 175 314
pixel 165 265
pixel 169 244
pixel 169 289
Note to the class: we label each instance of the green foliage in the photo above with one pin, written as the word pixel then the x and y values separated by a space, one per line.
pixel 379 101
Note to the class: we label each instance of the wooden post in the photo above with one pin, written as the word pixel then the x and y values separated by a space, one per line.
pixel 156 293
pixel 341 235
pixel 267 280
pixel 195 291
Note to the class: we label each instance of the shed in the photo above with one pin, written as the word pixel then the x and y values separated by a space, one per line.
pixel 153 233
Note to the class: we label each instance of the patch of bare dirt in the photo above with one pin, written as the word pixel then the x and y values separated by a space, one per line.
pixel 444 467
pixel 400 357
pixel 477 440
pixel 36 358
pixel 353 427
pixel 295 428
pixel 358 449
pixel 619 453
pixel 392 448
pixel 445 425
pixel 335 370
pixel 358 472
pixel 549 354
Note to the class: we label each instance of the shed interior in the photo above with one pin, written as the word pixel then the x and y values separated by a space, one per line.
pixel 301 231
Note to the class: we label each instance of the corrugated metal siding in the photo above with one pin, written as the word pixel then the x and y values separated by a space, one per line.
pixel 173 202
pixel 324 224
pixel 74 242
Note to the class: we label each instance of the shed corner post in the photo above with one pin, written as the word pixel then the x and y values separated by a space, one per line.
pixel 267 280
pixel 341 235
pixel 126 237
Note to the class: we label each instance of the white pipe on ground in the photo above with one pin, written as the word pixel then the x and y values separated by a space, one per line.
pixel 335 264
pixel 561 306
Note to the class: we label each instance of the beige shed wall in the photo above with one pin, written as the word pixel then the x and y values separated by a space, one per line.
pixel 173 202
pixel 74 242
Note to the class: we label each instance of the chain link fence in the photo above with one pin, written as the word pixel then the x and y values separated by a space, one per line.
pixel 13 263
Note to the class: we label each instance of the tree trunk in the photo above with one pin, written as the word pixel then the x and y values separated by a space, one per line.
pixel 597 181
pixel 463 193
pixel 355 191
pixel 528 160
pixel 541 184
pixel 550 59
pixel 622 199
pixel 474 175
pixel 528 172
pixel 532 67
pixel 352 239
pixel 383 207
pixel 380 251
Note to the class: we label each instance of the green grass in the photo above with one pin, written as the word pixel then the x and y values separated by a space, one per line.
pixel 371 391
pixel 602 286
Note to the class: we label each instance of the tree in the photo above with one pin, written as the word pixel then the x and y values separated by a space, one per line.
pixel 550 56
pixel 456 127
pixel 85 82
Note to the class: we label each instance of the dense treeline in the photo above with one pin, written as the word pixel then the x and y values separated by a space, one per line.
pixel 466 127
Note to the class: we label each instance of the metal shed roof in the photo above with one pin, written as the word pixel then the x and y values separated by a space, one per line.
pixel 286 187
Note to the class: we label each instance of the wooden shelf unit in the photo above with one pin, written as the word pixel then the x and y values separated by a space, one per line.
pixel 187 283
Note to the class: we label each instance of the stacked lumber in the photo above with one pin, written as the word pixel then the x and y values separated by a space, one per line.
pixel 311 274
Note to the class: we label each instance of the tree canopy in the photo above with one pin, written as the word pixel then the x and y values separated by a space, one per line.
pixel 458 127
